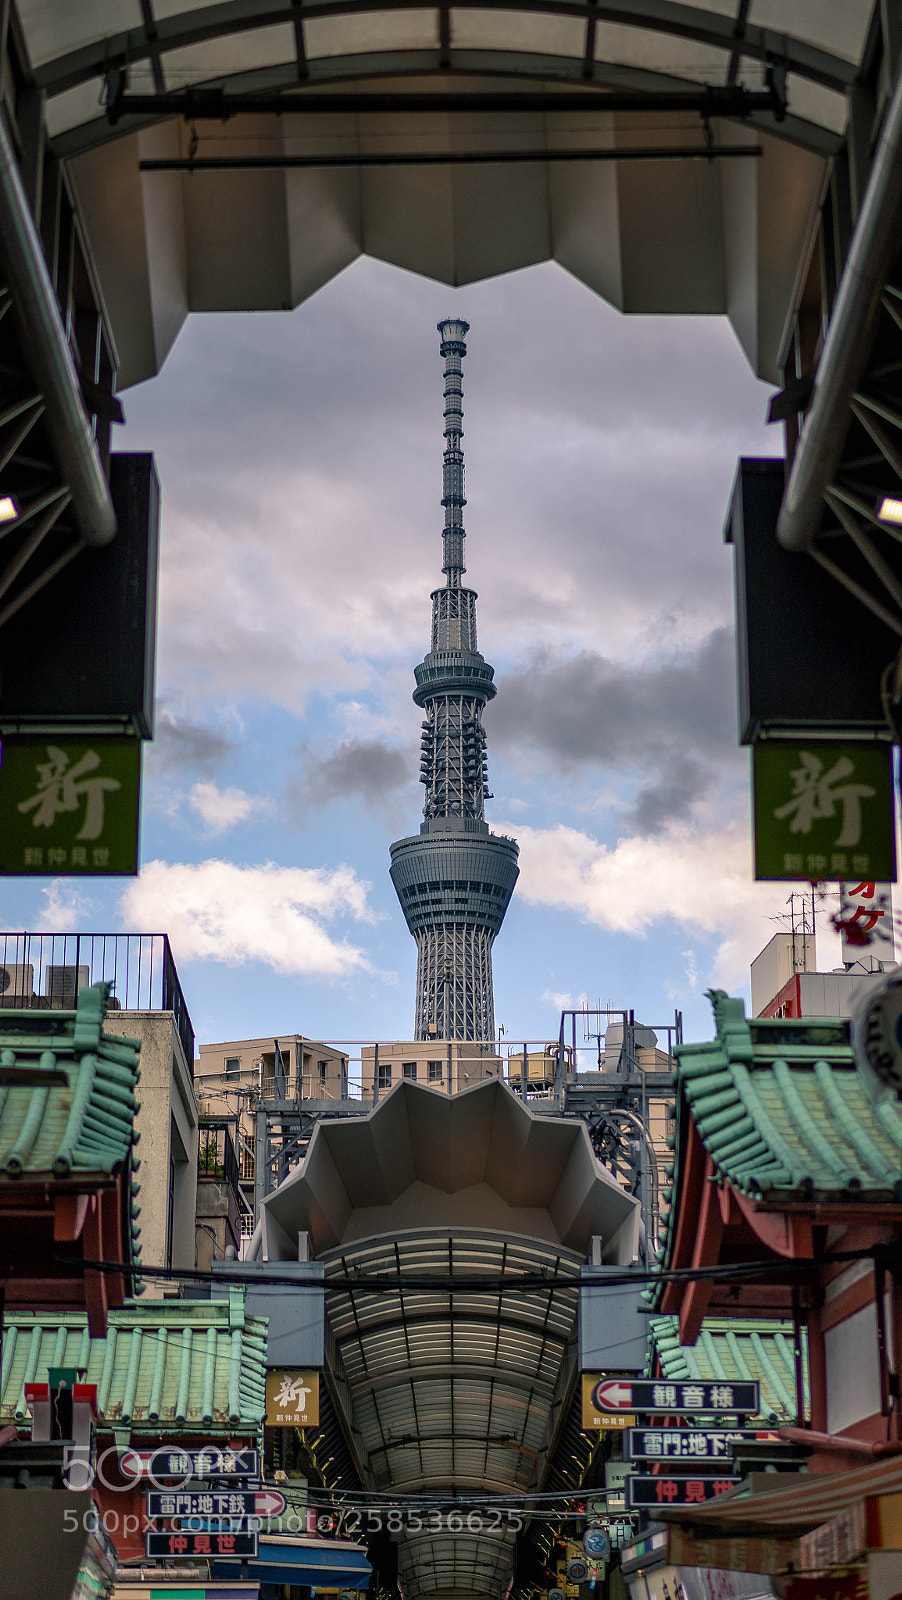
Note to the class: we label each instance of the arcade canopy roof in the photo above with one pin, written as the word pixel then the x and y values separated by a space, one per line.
pixel 453 1373
pixel 168 46
pixel 459 141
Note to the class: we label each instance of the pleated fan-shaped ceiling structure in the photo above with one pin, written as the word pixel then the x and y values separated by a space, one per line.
pixel 487 112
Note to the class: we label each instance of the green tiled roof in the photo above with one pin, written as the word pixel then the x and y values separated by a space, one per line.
pixel 780 1106
pixel 165 1366
pixel 732 1348
pixel 81 1119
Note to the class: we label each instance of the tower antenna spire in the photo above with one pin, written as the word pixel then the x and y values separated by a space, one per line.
pixel 455 879
pixel 453 349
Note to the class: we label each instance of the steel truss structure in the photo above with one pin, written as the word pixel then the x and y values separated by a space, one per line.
pixel 455 880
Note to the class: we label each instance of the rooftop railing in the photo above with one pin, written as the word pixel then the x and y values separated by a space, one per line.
pixel 44 972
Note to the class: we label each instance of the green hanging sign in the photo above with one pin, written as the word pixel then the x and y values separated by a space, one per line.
pixel 69 807
pixel 824 811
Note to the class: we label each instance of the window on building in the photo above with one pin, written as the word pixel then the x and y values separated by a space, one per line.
pixel 233 1066
pixel 409 1069
pixel 384 1075
pixel 322 1070
pixel 434 1071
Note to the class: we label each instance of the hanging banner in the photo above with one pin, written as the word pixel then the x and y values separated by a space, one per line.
pixel 823 811
pixel 69 807
pixel 292 1398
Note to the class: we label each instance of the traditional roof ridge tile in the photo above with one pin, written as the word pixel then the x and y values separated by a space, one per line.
pixel 165 1367
pixel 780 1106
pixel 79 1121
pixel 782 1111
pixel 732 1349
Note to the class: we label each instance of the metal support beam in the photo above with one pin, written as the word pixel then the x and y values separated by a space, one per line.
pixel 49 357
pixel 849 339
pixel 450 158
pixel 216 104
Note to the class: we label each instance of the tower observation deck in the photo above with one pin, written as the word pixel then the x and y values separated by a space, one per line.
pixel 454 879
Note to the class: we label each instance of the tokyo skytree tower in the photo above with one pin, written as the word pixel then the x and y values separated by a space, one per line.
pixel 455 879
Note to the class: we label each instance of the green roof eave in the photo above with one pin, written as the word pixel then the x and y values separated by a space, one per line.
pixel 782 1111
pixel 72 1114
pixel 164 1369
pixel 730 1349
pixel 781 1108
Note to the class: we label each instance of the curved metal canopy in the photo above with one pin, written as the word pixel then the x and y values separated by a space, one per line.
pixel 451 1392
pixel 170 46
pixel 610 194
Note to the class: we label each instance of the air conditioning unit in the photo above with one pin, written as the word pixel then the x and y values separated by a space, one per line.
pixel 16 983
pixel 63 984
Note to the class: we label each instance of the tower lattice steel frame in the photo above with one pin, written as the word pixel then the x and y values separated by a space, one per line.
pixel 455 879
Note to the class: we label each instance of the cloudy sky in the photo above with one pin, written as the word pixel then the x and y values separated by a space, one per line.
pixel 300 458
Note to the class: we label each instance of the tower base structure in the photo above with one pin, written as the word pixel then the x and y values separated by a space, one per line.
pixel 454 881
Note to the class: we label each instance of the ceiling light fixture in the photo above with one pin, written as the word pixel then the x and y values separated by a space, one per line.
pixel 890 509
pixel 8 508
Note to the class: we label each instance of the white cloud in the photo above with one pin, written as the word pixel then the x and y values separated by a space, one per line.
pixel 222 809
pixel 562 1000
pixel 66 907
pixel 217 911
pixel 699 879
pixel 302 560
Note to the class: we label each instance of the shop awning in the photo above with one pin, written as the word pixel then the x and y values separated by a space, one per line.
pixel 308 1562
pixel 767 1503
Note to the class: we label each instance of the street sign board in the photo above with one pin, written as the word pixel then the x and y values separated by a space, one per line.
pixel 205 1502
pixel 577 1570
pixel 651 1395
pixel 181 1546
pixel 183 1465
pixel 292 1398
pixel 592 1417
pixel 649 1489
pixel 69 806
pixel 269 1503
pixel 824 811
pixel 689 1444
